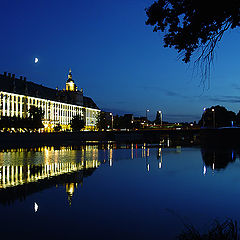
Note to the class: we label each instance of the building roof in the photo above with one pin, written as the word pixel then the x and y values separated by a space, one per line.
pixel 9 83
pixel 70 80
pixel 88 102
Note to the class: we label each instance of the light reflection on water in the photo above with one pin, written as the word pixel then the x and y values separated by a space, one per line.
pixel 136 190
pixel 22 166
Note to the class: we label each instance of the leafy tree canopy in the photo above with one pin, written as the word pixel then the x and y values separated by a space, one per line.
pixel 77 123
pixel 190 24
pixel 33 122
pixel 217 116
pixel 35 118
pixel 104 120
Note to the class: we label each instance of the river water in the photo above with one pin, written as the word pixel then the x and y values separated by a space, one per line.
pixel 108 192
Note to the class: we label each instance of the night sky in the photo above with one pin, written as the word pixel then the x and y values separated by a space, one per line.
pixel 114 57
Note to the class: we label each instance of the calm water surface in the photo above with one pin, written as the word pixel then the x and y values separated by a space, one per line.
pixel 133 192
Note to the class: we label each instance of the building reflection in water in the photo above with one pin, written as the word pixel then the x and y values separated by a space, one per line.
pixel 45 166
pixel 159 157
pixel 137 151
pixel 23 166
pixel 109 153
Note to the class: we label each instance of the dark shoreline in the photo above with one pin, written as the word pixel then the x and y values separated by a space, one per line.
pixel 18 140
pixel 221 137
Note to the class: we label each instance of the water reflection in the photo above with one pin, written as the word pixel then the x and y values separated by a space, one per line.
pixel 159 157
pixel 152 153
pixel 216 158
pixel 41 168
pixel 45 167
pixel 25 166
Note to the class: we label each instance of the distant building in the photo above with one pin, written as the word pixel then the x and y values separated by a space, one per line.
pixel 59 106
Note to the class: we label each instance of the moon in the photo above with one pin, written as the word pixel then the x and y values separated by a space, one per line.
pixel 35 60
pixel 35 207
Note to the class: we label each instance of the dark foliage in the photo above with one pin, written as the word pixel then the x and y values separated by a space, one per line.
pixel 104 121
pixel 123 122
pixel 220 157
pixel 33 122
pixel 35 118
pixel 189 24
pixel 238 118
pixel 227 230
pixel 220 117
pixel 77 123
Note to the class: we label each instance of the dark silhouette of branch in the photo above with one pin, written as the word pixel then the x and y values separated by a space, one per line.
pixel 194 26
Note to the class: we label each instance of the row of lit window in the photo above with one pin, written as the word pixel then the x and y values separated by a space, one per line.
pixel 15 101
pixel 36 102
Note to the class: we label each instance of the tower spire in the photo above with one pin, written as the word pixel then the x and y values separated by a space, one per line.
pixel 70 74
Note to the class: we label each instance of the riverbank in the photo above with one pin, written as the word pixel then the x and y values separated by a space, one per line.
pixel 228 136
pixel 13 140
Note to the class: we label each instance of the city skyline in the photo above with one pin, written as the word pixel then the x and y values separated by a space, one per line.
pixel 114 57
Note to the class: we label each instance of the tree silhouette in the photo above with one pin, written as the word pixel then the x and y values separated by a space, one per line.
pixel 220 157
pixel 77 123
pixel 34 120
pixel 189 25
pixel 217 116
pixel 238 118
pixel 123 122
pixel 103 121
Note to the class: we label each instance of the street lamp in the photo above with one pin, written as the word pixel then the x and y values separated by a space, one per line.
pixel 204 110
pixel 213 118
pixel 160 112
pixel 147 116
pixel 146 113
pixel 112 119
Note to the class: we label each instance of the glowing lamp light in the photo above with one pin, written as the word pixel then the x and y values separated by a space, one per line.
pixel 204 170
pixel 148 167
pixel 160 165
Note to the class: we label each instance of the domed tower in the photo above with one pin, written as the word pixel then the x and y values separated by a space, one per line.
pixel 72 95
pixel 70 85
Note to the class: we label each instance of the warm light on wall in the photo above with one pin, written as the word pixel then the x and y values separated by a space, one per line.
pixel 12 104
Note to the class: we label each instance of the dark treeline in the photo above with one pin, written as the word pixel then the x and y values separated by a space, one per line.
pixel 106 120
pixel 219 116
pixel 30 123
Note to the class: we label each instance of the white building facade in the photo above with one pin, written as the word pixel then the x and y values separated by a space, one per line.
pixel 55 112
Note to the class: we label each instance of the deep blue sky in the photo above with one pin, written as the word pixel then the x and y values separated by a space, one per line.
pixel 114 57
